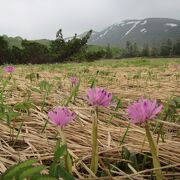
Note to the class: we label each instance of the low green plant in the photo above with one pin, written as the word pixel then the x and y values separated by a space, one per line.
pixel 33 76
pixel 30 171
pixel 73 93
pixel 138 161
pixel 44 88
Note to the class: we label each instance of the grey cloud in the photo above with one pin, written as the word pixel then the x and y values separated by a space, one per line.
pixel 35 19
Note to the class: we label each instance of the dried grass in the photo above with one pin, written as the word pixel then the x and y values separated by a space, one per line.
pixel 32 143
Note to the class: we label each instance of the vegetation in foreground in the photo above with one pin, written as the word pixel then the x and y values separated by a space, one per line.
pixel 118 149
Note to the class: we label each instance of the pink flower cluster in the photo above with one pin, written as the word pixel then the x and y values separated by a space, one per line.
pixel 61 116
pixel 73 80
pixel 9 69
pixel 99 97
pixel 143 110
pixel 139 112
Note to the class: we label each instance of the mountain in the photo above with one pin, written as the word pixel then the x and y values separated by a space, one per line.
pixel 151 30
pixel 16 41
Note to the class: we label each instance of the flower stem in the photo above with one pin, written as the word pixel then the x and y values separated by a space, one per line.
pixel 154 153
pixel 44 101
pixel 94 160
pixel 67 158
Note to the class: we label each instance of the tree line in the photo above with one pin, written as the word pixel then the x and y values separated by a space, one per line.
pixel 35 53
pixel 59 50
pixel 76 49
pixel 165 49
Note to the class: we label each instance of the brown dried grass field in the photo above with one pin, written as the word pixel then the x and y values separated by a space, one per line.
pixel 127 79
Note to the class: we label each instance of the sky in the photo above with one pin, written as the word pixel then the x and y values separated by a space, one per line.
pixel 41 19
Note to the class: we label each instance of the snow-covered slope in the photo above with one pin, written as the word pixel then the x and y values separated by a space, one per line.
pixel 150 30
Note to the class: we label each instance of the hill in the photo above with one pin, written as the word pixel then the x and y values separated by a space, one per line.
pixel 151 30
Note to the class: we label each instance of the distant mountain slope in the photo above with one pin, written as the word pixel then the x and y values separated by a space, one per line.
pixel 45 42
pixel 150 30
pixel 16 41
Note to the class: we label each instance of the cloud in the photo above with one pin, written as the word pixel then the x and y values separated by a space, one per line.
pixel 35 19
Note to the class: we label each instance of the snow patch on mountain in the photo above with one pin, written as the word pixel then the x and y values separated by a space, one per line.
pixel 115 24
pixel 93 33
pixel 111 27
pixel 143 30
pixel 104 33
pixel 143 23
pixel 171 24
pixel 135 24
pixel 132 22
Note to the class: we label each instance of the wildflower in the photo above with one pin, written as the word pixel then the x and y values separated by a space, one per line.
pixel 143 110
pixel 61 116
pixel 73 80
pixel 99 97
pixel 9 69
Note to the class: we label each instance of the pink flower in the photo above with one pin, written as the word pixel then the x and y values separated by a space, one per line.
pixel 99 97
pixel 74 80
pixel 176 66
pixel 9 69
pixel 143 110
pixel 61 116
